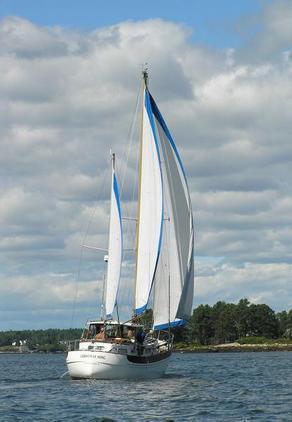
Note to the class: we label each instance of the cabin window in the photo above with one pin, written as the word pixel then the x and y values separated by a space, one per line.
pixel 93 330
pixel 128 332
pixel 112 331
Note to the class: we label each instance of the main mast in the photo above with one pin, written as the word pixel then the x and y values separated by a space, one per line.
pixel 143 88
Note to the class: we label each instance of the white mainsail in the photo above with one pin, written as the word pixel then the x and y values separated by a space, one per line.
pixel 150 216
pixel 172 269
pixel 115 247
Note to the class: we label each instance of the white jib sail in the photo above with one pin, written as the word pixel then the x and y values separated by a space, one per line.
pixel 150 216
pixel 115 247
pixel 174 278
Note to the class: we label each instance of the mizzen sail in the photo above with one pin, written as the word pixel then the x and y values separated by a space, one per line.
pixel 115 247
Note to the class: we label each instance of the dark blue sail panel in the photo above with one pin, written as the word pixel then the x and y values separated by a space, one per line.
pixel 117 196
pixel 140 311
pixel 161 121
pixel 172 324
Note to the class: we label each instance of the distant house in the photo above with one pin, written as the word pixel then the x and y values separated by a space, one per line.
pixel 22 345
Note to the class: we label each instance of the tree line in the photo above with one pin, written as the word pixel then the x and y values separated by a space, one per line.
pixel 221 323
pixel 36 339
pixel 228 322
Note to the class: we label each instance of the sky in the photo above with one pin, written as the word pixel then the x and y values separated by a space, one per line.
pixel 211 21
pixel 70 73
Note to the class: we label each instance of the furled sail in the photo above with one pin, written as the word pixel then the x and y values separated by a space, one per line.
pixel 150 214
pixel 115 247
pixel 174 277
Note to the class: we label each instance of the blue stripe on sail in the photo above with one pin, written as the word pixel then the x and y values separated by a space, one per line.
pixel 177 323
pixel 117 196
pixel 161 121
pixel 150 115
pixel 139 311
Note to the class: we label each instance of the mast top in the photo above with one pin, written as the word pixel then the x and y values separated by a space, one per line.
pixel 113 158
pixel 145 74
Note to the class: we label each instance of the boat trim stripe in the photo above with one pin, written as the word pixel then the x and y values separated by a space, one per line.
pixel 148 359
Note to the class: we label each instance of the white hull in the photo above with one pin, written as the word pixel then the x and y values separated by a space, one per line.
pixel 106 365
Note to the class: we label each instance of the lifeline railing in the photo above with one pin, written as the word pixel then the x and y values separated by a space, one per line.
pixel 72 345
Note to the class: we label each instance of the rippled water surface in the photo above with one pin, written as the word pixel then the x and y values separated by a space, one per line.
pixel 197 387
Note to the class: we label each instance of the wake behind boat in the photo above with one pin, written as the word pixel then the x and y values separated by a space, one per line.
pixel 164 250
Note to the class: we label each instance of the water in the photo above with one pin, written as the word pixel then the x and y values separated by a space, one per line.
pixel 197 387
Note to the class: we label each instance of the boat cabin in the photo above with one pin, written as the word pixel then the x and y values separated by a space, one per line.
pixel 111 330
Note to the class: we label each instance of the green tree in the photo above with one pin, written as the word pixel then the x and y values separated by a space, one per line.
pixel 224 322
pixel 283 322
pixel 242 317
pixel 263 321
pixel 201 325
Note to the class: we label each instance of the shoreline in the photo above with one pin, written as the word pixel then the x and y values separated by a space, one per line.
pixel 236 347
pixel 220 348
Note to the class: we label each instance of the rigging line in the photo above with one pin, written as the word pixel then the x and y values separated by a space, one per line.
pixel 130 143
pixel 77 279
pixel 77 288
pixel 102 306
pixel 128 206
pixel 131 138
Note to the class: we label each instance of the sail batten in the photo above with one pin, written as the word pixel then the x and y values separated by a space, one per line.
pixel 115 247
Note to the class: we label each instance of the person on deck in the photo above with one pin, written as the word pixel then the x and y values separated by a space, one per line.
pixel 130 333
pixel 140 337
pixel 100 335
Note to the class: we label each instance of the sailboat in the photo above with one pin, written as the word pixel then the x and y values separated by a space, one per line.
pixel 164 276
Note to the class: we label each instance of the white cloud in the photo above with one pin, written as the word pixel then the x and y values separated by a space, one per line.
pixel 66 97
pixel 271 31
pixel 260 283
